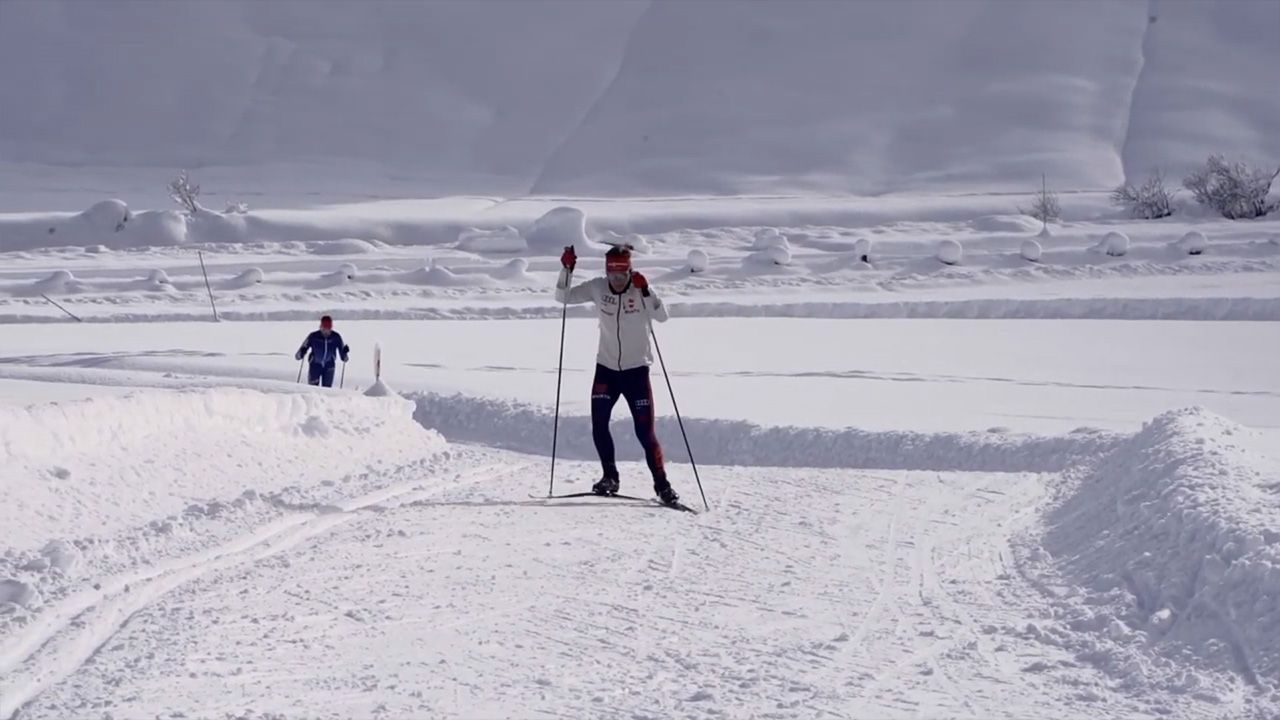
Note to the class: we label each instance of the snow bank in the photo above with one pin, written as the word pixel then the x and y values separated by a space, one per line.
pixel 557 229
pixel 97 467
pixel 1173 539
pixel 342 246
pixel 1192 242
pixel 1098 308
pixel 527 428
pixel 503 240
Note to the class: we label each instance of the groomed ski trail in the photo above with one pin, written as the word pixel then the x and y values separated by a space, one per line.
pixel 67 635
pixel 804 593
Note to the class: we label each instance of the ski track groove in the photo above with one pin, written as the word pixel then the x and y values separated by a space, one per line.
pixel 492 608
pixel 94 615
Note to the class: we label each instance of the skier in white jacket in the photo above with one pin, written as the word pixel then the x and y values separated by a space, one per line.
pixel 624 303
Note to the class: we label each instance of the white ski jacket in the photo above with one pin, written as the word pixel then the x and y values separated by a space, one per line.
pixel 624 326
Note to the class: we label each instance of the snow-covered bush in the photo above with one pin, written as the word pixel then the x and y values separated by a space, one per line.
pixel 183 192
pixel 697 260
pixel 1233 190
pixel 1192 243
pixel 950 252
pixel 1150 201
pixel 236 208
pixel 1031 250
pixel 769 237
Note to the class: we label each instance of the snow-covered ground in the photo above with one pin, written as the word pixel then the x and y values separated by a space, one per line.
pixel 949 462
pixel 997 488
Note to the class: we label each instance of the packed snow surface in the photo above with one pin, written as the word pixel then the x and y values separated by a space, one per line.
pixel 947 460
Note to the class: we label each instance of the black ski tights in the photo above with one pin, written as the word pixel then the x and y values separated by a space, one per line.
pixel 632 384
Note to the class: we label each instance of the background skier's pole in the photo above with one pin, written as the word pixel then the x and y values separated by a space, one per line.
pixel 676 407
pixel 343 378
pixel 301 364
pixel 555 427
pixel 207 286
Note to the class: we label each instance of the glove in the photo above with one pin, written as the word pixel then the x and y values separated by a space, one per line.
pixel 569 258
pixel 346 352
pixel 641 283
pixel 298 355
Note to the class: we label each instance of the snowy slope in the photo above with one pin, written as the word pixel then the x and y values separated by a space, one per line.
pixel 412 99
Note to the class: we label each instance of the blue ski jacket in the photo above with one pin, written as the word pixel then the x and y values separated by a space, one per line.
pixel 325 351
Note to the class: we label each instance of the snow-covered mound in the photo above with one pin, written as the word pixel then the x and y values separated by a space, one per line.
pixel 557 229
pixel 1174 539
pixel 503 240
pixel 315 90
pixel 109 463
pixel 1193 242
pixel 527 428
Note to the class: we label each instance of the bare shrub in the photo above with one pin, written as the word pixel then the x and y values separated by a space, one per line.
pixel 1233 189
pixel 1151 200
pixel 1044 205
pixel 183 192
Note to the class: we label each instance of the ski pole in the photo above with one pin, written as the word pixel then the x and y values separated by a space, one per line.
pixel 645 293
pixel 301 363
pixel 555 427
pixel 343 378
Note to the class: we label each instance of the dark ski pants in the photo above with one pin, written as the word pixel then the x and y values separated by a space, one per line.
pixel 632 384
pixel 318 374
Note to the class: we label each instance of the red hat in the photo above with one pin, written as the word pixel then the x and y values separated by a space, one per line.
pixel 618 259
pixel 326 322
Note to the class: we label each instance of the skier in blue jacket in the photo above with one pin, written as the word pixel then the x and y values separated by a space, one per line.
pixel 326 348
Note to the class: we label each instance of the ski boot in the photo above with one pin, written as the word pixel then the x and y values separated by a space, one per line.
pixel 666 493
pixel 606 486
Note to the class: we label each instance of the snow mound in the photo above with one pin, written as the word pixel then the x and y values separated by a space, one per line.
pixel 1174 541
pixel 347 270
pixel 557 228
pixel 862 249
pixel 1031 250
pixel 1192 243
pixel 1114 244
pixel 527 428
pixel 344 246
pixel 107 216
pixel 380 389
pixel 244 279
pixel 437 275
pixel 503 240
pixel 123 461
pixel 59 281
pixel 772 255
pixel 697 260
pixel 1005 224
pixel 769 238
pixel 516 269
pixel 156 281
pixel 949 252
